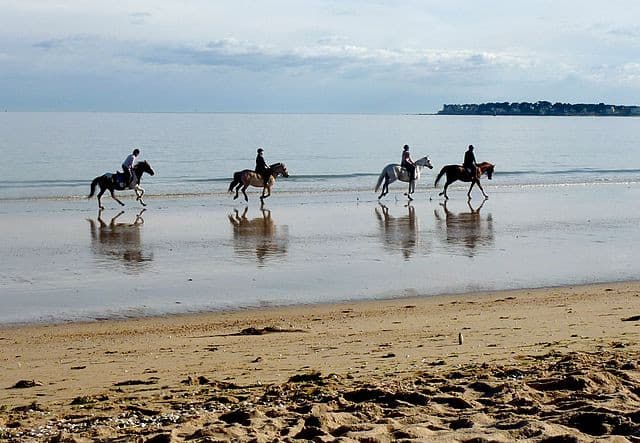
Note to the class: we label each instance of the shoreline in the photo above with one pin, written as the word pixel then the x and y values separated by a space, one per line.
pixel 200 367
pixel 251 309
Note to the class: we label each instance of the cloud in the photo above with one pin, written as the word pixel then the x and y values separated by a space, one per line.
pixel 340 59
pixel 139 18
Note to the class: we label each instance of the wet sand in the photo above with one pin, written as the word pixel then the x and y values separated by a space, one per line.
pixel 557 364
pixel 62 261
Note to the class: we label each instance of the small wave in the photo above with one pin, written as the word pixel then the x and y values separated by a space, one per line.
pixel 570 172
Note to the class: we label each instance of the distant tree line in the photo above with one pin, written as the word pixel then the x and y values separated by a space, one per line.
pixel 540 108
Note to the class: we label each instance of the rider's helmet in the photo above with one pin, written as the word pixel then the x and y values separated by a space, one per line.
pixel 405 147
pixel 471 147
pixel 260 150
pixel 136 151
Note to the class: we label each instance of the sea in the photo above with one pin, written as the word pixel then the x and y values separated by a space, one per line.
pixel 562 209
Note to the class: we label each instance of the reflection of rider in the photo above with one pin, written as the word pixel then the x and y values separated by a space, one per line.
pixel 408 164
pixel 470 162
pixel 262 167
pixel 127 167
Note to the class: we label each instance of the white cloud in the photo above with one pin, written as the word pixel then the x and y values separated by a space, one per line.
pixel 425 49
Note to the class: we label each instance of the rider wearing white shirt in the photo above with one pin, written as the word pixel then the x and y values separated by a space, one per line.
pixel 127 166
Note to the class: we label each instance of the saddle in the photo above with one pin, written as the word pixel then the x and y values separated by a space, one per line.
pixel 467 174
pixel 118 182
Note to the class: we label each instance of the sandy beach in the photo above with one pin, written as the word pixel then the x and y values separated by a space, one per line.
pixel 556 364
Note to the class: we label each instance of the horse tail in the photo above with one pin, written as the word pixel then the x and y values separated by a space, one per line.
pixel 93 186
pixel 382 174
pixel 442 172
pixel 237 178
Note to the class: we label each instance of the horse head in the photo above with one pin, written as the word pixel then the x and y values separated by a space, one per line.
pixel 424 161
pixel 280 168
pixel 143 166
pixel 489 171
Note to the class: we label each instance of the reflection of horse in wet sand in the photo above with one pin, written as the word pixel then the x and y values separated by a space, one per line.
pixel 468 229
pixel 398 233
pixel 244 179
pixel 257 235
pixel 394 171
pixel 457 172
pixel 120 241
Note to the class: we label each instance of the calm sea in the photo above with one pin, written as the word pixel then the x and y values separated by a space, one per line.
pixel 55 155
pixel 563 210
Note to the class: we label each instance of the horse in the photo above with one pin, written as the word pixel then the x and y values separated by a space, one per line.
pixel 394 171
pixel 115 182
pixel 244 179
pixel 457 172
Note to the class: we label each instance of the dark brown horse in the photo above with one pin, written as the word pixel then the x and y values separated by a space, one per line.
pixel 115 182
pixel 244 179
pixel 457 172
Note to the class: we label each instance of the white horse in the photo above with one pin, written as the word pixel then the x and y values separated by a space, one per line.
pixel 394 171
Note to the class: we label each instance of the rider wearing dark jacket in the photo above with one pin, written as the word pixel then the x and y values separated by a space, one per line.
pixel 408 163
pixel 470 162
pixel 262 167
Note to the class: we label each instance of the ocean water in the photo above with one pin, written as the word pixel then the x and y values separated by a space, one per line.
pixel 562 210
pixel 55 155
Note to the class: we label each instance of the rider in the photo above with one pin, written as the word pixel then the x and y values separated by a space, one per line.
pixel 262 167
pixel 127 166
pixel 408 164
pixel 469 163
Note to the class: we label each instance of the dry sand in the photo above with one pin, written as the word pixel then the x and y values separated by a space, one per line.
pixel 551 365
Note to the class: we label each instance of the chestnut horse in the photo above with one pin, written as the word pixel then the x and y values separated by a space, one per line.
pixel 244 179
pixel 457 172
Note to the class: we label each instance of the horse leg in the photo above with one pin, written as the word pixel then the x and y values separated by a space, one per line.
pixel 237 189
pixel 444 192
pixel 267 190
pixel 139 193
pixel 473 182
pixel 385 188
pixel 483 193
pixel 113 196
pixel 244 188
pixel 140 198
pixel 409 192
pixel 100 196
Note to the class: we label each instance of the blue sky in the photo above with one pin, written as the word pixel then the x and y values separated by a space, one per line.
pixel 373 56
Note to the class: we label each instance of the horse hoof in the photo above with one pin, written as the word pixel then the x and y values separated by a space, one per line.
pixel 235 198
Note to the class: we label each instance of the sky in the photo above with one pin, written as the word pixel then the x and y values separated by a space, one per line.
pixel 352 56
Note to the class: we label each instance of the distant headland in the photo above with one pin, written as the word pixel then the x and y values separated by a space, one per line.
pixel 541 108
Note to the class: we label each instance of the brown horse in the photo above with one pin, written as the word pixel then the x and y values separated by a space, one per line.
pixel 457 172
pixel 246 178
